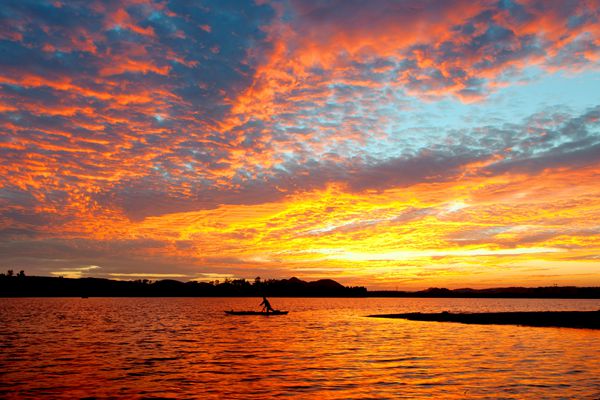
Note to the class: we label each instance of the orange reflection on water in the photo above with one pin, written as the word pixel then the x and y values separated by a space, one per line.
pixel 325 348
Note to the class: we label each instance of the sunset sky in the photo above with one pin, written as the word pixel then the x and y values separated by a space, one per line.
pixel 390 144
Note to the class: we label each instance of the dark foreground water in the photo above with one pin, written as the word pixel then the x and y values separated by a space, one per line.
pixel 324 349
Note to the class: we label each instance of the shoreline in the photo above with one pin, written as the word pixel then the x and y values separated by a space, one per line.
pixel 557 319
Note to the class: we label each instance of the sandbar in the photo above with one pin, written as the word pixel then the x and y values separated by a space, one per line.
pixel 562 319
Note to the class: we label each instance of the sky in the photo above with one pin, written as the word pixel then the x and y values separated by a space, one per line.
pixel 391 144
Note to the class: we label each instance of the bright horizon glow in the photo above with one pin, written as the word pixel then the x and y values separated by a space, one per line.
pixel 384 144
pixel 337 254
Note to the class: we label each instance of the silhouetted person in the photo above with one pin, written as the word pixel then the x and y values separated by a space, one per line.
pixel 266 305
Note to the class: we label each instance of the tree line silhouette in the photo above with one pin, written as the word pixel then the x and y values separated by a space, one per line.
pixel 20 285
pixel 39 286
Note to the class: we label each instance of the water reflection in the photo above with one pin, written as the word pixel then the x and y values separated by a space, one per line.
pixel 325 348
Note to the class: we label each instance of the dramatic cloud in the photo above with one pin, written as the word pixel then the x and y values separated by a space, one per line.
pixel 334 138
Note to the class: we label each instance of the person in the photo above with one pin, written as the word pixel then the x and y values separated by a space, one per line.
pixel 266 305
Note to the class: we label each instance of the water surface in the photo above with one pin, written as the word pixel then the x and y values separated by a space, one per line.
pixel 325 348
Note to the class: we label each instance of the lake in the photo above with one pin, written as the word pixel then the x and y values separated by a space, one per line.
pixel 325 348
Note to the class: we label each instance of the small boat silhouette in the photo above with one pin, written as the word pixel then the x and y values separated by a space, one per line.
pixel 274 312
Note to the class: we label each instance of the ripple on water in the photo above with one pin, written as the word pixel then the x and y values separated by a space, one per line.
pixel 325 348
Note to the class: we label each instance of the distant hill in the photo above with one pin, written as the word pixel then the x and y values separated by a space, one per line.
pixel 40 286
pixel 546 292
